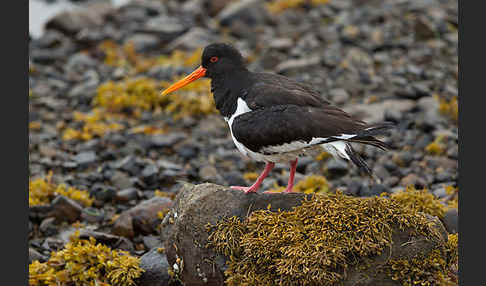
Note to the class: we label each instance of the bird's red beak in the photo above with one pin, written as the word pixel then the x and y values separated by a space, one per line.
pixel 198 73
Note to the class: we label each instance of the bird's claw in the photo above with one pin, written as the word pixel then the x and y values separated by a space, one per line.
pixel 244 189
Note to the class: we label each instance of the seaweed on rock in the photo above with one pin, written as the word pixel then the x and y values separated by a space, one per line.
pixel 85 262
pixel 315 243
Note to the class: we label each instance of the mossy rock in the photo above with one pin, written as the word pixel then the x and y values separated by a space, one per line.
pixel 217 236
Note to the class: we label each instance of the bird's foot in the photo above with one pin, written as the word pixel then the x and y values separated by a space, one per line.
pixel 284 191
pixel 289 190
pixel 247 190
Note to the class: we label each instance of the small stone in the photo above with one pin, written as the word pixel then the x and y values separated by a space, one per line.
pixel 141 218
pixel 156 269
pixel 47 226
pixel 208 173
pixel 103 192
pixel 150 172
pixel 35 255
pixel 451 221
pixel 167 140
pixel 336 168
pixel 126 195
pixel 85 158
pixel 121 180
pixel 249 12
pixel 339 95
pixel 144 42
pixel 151 241
pixel 374 190
pixel 93 215
pixel 191 40
pixel 64 208
pixel 413 180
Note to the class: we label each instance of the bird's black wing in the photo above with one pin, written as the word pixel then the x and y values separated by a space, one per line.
pixel 271 89
pixel 277 125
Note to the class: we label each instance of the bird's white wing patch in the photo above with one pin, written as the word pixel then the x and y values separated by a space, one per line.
pixel 337 149
pixel 241 108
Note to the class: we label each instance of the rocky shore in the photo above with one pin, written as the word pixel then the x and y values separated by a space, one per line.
pixel 108 155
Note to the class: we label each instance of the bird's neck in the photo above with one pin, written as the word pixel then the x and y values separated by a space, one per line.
pixel 227 88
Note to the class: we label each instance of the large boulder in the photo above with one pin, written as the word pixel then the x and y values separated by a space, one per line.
pixel 185 234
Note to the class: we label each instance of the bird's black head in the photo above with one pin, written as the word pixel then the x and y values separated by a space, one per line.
pixel 217 60
pixel 221 58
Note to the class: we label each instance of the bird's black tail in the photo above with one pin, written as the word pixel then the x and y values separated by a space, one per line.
pixel 358 160
pixel 365 136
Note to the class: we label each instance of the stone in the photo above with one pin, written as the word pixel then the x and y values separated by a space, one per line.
pixel 36 255
pixel 413 180
pixel 121 180
pixel 126 195
pixel 65 209
pixel 295 65
pixel 141 218
pixel 373 190
pixel 85 158
pixel 144 42
pixel 193 39
pixel 184 232
pixel 151 241
pixel 167 28
pixel 250 12
pixel 47 226
pixel 167 140
pixel 113 241
pixel 336 168
pixel 451 220
pixel 156 269
pixel 198 205
pixel 72 22
pixel 375 112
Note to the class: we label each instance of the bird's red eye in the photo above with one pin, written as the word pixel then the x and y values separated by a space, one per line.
pixel 213 59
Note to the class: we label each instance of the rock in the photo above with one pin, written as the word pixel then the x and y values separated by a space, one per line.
pixel 167 28
pixel 65 209
pixel 126 195
pixel 167 140
pixel 295 65
pixel 85 158
pixel 113 241
pixel 156 269
pixel 374 190
pixel 71 22
pixel 141 218
pixel 185 234
pixel 151 241
pixel 35 255
pixel 339 95
pixel 193 39
pixel 149 173
pixel 249 12
pixel 375 112
pixel 144 42
pixel 197 205
pixel 336 168
pixel 451 221
pixel 103 192
pixel 47 226
pixel 121 180
pixel 208 173
pixel 413 180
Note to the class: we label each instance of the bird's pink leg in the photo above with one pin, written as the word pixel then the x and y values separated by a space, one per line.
pixel 290 185
pixel 253 188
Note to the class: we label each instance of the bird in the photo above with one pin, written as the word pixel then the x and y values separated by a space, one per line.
pixel 275 119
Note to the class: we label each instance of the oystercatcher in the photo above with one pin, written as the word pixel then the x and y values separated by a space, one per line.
pixel 273 118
